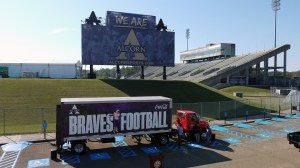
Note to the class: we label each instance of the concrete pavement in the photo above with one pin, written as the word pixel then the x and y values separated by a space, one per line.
pixel 38 137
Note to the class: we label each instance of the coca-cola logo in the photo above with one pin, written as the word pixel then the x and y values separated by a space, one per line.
pixel 161 107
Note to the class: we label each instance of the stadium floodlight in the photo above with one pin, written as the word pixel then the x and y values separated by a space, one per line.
pixel 275 7
pixel 187 38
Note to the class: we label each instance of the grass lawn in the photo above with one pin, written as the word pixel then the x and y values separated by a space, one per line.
pixel 260 97
pixel 25 103
pixel 46 93
pixel 248 91
pixel 179 91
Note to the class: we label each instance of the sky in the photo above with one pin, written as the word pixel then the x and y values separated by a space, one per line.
pixel 50 30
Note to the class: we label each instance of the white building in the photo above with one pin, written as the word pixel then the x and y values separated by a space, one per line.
pixel 44 70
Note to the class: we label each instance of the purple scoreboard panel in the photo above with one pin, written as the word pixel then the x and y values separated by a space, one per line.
pixel 127 39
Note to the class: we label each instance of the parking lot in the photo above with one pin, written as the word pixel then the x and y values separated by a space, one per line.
pixel 261 143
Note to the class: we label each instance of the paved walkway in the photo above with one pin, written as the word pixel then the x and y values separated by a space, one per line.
pixel 39 137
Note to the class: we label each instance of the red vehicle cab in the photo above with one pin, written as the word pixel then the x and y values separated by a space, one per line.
pixel 189 119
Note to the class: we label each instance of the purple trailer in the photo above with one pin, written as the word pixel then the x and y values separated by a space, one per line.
pixel 80 119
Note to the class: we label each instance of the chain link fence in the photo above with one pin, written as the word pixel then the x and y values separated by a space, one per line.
pixel 264 107
pixel 13 121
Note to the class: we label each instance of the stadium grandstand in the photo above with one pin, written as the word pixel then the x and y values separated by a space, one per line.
pixel 217 65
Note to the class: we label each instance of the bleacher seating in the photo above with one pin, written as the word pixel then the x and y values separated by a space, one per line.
pixel 200 71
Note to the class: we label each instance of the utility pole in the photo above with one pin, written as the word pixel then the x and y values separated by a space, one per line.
pixel 187 38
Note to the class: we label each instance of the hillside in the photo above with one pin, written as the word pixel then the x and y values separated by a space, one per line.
pixel 45 93
pixel 179 91
pixel 26 103
pixel 37 93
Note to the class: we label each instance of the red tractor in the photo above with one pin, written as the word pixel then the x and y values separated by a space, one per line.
pixel 189 120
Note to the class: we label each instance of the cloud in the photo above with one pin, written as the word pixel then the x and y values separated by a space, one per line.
pixel 60 30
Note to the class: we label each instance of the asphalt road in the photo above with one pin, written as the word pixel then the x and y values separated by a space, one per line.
pixel 272 152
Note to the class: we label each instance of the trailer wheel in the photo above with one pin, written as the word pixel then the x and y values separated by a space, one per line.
pixel 163 139
pixel 78 147
pixel 153 139
pixel 296 145
pixel 203 136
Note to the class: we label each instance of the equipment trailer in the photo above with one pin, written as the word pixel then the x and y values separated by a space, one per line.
pixel 81 119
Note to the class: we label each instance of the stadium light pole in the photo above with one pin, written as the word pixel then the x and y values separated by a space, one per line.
pixel 275 7
pixel 187 38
